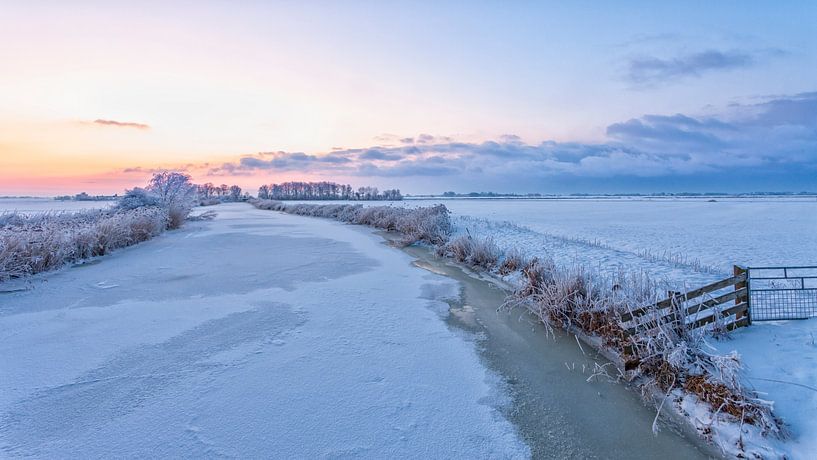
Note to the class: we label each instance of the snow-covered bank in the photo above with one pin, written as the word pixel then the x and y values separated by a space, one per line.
pixel 780 361
pixel 255 335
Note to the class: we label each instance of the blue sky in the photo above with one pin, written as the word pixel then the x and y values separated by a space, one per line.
pixel 425 96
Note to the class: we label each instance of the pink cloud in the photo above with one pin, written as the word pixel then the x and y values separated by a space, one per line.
pixel 121 124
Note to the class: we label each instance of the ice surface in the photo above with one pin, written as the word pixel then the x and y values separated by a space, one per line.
pixel 256 335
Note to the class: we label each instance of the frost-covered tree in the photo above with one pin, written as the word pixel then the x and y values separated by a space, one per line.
pixel 235 193
pixel 176 193
pixel 173 189
pixel 206 191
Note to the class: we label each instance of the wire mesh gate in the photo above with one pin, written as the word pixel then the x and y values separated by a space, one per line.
pixel 782 292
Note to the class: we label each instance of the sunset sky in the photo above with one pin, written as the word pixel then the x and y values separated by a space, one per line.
pixel 423 96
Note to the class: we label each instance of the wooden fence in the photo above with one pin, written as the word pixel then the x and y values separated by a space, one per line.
pixel 726 301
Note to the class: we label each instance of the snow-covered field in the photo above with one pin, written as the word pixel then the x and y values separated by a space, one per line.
pixel 32 205
pixel 780 359
pixel 680 240
pixel 255 335
pixel 743 231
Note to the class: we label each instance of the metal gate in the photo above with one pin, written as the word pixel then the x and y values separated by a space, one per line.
pixel 782 292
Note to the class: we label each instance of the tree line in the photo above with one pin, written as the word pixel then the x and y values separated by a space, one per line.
pixel 209 192
pixel 324 191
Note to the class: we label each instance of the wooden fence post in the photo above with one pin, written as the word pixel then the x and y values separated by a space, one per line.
pixel 737 270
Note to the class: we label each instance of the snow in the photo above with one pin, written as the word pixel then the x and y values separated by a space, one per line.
pixel 681 241
pixel 35 205
pixel 780 361
pixel 754 232
pixel 258 334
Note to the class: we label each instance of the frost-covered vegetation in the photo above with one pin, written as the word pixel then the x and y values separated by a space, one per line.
pixel 34 243
pixel 43 242
pixel 669 361
pixel 431 225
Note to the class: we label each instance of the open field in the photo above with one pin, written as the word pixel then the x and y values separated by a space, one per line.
pixel 34 205
pixel 679 240
pixel 762 231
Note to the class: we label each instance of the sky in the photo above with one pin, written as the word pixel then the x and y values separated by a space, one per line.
pixel 549 97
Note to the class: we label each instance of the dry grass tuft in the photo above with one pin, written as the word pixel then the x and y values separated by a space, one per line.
pixel 31 244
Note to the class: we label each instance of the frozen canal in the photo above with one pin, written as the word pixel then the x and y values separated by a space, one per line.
pixel 267 335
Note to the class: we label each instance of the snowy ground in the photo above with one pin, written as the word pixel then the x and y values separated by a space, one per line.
pixel 755 232
pixel 33 205
pixel 256 335
pixel 780 358
pixel 682 241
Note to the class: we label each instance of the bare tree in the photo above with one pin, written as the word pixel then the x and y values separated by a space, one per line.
pixel 173 189
pixel 235 193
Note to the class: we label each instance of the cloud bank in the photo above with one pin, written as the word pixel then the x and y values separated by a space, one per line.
pixel 771 144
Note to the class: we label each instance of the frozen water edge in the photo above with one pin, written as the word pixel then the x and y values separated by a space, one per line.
pixel 257 334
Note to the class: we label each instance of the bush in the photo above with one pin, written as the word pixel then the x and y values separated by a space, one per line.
pixel 169 190
pixel 176 215
pixel 138 198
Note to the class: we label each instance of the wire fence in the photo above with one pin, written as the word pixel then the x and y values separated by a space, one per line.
pixel 782 292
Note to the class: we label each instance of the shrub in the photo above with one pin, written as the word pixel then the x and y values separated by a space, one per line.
pixel 138 198
pixel 176 215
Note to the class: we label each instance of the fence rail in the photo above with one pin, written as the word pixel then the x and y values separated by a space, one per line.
pixel 751 294
pixel 725 302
